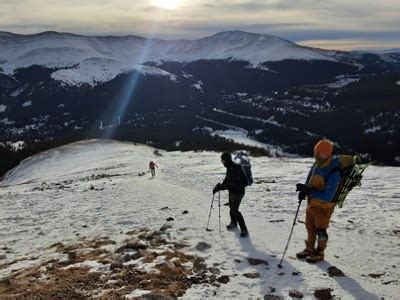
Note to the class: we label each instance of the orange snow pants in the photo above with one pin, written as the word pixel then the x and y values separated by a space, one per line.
pixel 317 219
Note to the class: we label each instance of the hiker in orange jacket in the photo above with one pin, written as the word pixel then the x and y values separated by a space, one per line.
pixel 152 168
pixel 322 183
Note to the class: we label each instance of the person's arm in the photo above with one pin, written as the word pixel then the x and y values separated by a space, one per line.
pixel 224 185
pixel 329 191
pixel 156 165
pixel 221 186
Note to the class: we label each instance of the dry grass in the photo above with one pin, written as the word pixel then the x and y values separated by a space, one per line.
pixel 52 279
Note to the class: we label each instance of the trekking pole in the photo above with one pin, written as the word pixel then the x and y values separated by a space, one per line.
pixel 290 235
pixel 219 211
pixel 209 215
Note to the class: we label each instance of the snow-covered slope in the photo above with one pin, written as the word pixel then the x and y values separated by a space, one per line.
pixel 90 54
pixel 91 188
pixel 256 48
pixel 97 70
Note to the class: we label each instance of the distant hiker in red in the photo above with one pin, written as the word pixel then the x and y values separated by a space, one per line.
pixel 152 168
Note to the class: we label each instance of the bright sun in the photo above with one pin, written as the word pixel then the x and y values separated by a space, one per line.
pixel 168 4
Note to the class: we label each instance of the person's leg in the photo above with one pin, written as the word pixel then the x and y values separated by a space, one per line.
pixel 322 218
pixel 232 212
pixel 237 200
pixel 311 234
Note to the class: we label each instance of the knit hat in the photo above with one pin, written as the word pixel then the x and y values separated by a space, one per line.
pixel 323 149
pixel 226 156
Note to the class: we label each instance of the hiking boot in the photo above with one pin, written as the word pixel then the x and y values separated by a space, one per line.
pixel 231 226
pixel 309 250
pixel 244 234
pixel 314 258
pixel 318 255
pixel 305 253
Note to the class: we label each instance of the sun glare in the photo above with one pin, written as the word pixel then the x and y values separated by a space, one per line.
pixel 168 4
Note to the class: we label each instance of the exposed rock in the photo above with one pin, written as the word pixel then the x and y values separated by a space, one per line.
pixel 185 212
pixel 199 264
pixel 165 227
pixel 128 257
pixel 295 273
pixel 165 208
pixel 72 256
pixel 144 253
pixel 215 271
pixel 295 294
pixel 180 245
pixel 166 265
pixel 256 261
pixel 333 271
pixel 237 261
pixel 113 264
pixel 252 275
pixel 376 275
pixel 170 219
pixel 134 244
pixel 112 278
pixel 2 256
pixel 324 294
pixel 202 246
pixel 223 279
pixel 277 221
pixel 272 289
pixel 272 297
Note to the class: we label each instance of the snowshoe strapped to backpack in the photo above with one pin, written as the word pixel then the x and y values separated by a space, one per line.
pixel 350 177
pixel 241 158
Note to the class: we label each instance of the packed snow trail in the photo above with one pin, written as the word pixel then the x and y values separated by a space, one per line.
pixel 92 188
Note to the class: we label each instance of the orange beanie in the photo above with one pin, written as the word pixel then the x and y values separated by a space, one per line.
pixel 323 148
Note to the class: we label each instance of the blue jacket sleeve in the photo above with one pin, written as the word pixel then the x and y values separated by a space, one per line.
pixel 330 189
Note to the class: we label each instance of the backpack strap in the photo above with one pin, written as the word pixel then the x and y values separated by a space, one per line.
pixel 310 173
pixel 333 171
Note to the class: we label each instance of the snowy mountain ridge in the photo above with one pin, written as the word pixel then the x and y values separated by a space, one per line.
pixel 89 55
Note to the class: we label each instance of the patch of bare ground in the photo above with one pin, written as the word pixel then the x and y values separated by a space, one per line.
pixel 147 260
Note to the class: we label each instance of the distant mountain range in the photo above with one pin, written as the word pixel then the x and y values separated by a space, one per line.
pixel 260 90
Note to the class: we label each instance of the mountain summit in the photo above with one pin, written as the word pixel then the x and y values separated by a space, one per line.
pixel 63 49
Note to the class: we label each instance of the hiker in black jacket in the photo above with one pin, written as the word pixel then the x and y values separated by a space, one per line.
pixel 234 182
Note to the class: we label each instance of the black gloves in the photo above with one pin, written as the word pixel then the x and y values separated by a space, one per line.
pixel 302 195
pixel 304 190
pixel 217 188
pixel 301 187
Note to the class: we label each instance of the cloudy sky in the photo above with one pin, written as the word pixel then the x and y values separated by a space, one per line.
pixel 333 24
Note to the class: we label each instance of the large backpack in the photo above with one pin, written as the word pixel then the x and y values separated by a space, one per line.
pixel 241 158
pixel 350 177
